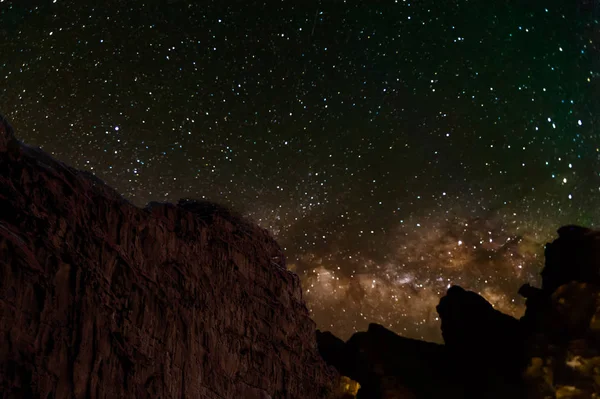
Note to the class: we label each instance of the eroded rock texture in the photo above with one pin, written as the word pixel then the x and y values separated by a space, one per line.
pixel 564 360
pixel 563 317
pixel 101 299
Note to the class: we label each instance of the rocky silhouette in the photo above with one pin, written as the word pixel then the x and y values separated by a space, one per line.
pixel 574 256
pixel 101 299
pixel 383 362
pixel 553 351
pixel 562 319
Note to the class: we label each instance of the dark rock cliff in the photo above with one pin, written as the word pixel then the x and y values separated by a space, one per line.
pixel 101 299
pixel 552 352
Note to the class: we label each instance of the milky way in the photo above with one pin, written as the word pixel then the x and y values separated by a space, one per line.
pixel 393 148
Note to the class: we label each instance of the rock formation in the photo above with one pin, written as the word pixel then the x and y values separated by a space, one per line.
pixel 472 329
pixel 386 364
pixel 552 352
pixel 564 353
pixel 563 319
pixel 101 299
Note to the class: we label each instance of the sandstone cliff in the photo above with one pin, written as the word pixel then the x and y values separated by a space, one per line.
pixel 101 299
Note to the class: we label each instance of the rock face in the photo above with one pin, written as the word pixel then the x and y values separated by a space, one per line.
pixel 552 352
pixel 101 299
pixel 563 319
pixel 564 359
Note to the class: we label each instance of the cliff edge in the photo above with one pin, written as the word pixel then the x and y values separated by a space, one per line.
pixel 101 299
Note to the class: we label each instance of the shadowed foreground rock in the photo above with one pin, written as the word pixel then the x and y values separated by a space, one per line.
pixel 552 352
pixel 473 330
pixel 101 299
pixel 387 364
pixel 563 317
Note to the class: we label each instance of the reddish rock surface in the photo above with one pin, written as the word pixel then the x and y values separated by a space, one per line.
pixel 101 299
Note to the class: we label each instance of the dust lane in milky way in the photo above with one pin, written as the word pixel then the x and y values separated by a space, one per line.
pixel 393 148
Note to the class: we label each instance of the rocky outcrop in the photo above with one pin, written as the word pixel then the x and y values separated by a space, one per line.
pixel 101 299
pixel 563 319
pixel 472 329
pixel 552 352
pixel 573 256
pixel 482 356
pixel 387 365
pixel 564 353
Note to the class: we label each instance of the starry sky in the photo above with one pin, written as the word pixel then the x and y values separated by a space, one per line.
pixel 392 147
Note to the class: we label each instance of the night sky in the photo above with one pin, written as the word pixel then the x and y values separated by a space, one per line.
pixel 392 147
